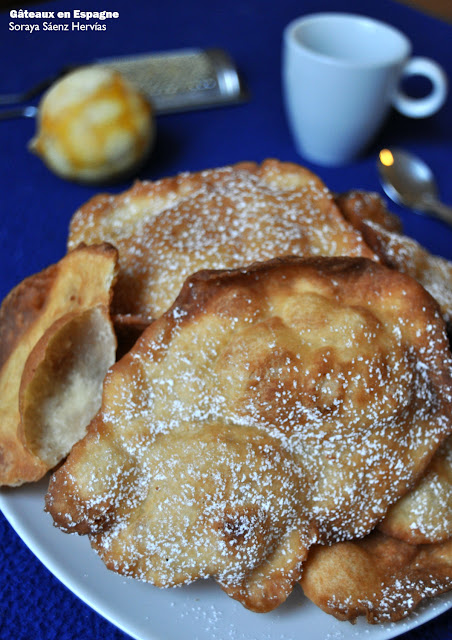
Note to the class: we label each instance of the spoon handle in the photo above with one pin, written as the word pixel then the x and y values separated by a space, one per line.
pixel 440 210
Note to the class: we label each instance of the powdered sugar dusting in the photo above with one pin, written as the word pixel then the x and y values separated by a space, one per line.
pixel 220 218
pixel 235 436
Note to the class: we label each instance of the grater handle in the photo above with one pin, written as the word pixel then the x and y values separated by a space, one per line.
pixel 18 112
pixel 24 96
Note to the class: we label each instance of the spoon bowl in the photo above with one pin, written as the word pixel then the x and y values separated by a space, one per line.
pixel 407 180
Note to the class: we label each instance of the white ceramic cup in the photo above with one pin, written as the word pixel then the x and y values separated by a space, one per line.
pixel 341 73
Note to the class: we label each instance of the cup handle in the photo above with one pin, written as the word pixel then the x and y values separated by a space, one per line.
pixel 422 107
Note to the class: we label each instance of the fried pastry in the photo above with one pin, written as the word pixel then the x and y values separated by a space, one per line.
pixel 360 207
pixel 218 218
pixel 385 575
pixel 378 577
pixel 56 344
pixel 271 408
pixel 424 515
pixel 379 228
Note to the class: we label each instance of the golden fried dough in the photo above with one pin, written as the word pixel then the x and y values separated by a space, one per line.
pixel 379 229
pixel 424 515
pixel 360 207
pixel 218 218
pixel 378 577
pixel 270 408
pixel 56 343
pixel 388 573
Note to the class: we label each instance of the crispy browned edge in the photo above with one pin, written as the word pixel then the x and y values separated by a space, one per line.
pixel 353 271
pixel 21 307
pixel 358 207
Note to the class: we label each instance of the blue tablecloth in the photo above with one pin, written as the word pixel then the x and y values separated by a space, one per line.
pixel 36 205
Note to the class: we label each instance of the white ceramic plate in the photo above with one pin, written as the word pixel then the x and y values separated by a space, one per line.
pixel 200 611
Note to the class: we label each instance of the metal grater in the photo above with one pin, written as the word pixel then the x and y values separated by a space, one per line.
pixel 181 80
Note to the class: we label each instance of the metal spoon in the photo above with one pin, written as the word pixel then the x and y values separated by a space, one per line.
pixel 407 180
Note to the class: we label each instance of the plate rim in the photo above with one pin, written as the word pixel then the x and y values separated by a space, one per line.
pixel 427 612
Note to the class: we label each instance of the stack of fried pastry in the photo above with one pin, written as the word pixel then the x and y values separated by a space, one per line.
pixel 286 415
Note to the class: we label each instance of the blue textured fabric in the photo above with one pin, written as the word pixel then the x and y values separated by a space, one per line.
pixel 35 205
